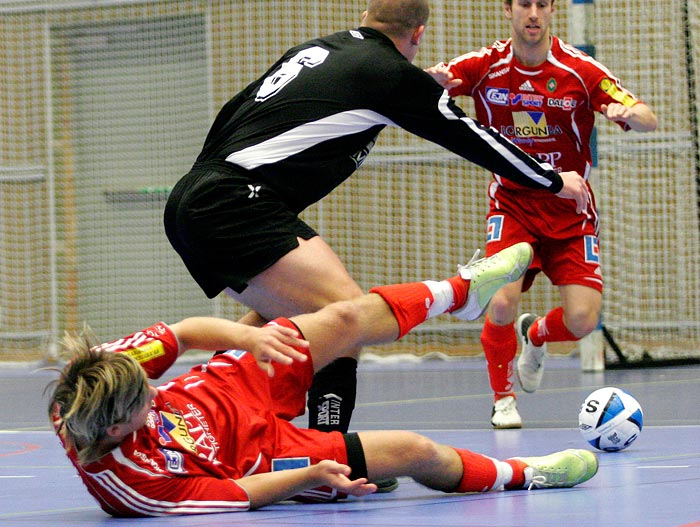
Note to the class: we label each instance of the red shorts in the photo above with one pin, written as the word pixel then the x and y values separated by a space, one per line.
pixel 566 245
pixel 283 395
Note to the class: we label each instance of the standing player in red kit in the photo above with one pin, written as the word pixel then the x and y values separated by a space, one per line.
pixel 542 94
pixel 218 438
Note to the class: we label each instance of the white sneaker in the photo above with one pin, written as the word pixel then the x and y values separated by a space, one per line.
pixel 505 414
pixel 531 360
pixel 488 275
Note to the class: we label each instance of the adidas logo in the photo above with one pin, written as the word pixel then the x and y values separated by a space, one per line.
pixel 526 86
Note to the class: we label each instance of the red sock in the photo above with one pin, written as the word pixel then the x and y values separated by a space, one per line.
pixel 518 474
pixel 460 286
pixel 551 328
pixel 479 472
pixel 409 302
pixel 500 346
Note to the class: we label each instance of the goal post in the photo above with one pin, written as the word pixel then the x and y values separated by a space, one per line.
pixel 106 104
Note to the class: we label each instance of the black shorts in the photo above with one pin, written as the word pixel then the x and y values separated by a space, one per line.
pixel 227 227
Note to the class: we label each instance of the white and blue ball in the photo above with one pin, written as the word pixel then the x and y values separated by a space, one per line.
pixel 610 419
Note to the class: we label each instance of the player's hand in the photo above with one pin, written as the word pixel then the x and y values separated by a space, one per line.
pixel 443 76
pixel 617 112
pixel 575 188
pixel 273 343
pixel 335 475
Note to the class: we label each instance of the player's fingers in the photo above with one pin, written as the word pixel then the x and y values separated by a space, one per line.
pixel 290 353
pixel 291 337
pixel 267 367
pixel 582 202
pixel 360 487
pixel 285 354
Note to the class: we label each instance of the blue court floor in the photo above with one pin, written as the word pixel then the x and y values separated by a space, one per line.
pixel 656 482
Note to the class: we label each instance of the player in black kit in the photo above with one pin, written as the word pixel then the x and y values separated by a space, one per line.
pixel 289 139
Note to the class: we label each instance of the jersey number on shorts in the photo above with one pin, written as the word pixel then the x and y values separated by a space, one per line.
pixel 287 72
pixel 592 251
pixel 494 228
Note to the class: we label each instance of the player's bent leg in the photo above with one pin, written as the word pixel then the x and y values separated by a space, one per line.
pixel 582 306
pixel 392 453
pixel 449 469
pixel 305 280
pixel 500 344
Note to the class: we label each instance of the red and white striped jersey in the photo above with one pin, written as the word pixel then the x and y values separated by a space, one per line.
pixel 217 423
pixel 547 110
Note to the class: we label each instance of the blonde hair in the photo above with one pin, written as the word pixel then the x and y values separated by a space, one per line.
pixel 95 390
pixel 397 18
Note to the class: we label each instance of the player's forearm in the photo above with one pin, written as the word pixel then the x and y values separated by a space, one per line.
pixel 272 487
pixel 642 118
pixel 499 155
pixel 211 334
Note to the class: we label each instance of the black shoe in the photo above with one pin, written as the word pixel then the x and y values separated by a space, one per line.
pixel 386 485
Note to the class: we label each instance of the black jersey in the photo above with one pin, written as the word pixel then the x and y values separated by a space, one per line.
pixel 308 123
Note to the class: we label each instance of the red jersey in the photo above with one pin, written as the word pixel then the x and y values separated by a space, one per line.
pixel 219 422
pixel 547 110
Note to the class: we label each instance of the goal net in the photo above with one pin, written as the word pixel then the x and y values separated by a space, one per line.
pixel 104 105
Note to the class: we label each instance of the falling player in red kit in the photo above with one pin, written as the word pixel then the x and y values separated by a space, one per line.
pixel 218 438
pixel 542 94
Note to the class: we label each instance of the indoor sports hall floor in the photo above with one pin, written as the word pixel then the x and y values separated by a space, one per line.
pixel 655 483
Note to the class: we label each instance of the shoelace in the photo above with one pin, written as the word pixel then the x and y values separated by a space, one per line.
pixel 473 259
pixel 547 476
pixel 537 482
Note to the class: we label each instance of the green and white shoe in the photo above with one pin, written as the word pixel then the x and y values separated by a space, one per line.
pixel 559 470
pixel 488 275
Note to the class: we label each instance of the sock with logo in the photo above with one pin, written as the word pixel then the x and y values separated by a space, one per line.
pixel 482 473
pixel 550 328
pixel 416 302
pixel 331 398
pixel 500 346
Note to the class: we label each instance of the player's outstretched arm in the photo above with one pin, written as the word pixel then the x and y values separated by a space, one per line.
pixel 272 487
pixel 443 76
pixel 271 343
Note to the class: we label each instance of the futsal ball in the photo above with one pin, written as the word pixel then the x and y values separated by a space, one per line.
pixel 610 419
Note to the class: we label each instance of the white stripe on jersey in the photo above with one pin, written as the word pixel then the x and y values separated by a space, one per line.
pixel 136 502
pixel 552 59
pixel 576 53
pixel 307 135
pixel 443 106
pixel 498 147
pixel 510 157
pixel 499 45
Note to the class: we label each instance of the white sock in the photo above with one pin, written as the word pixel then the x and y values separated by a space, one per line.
pixel 443 297
pixel 504 474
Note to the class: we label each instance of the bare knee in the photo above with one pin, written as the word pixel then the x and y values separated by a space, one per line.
pixel 414 451
pixel 423 448
pixel 581 322
pixel 346 315
pixel 502 309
